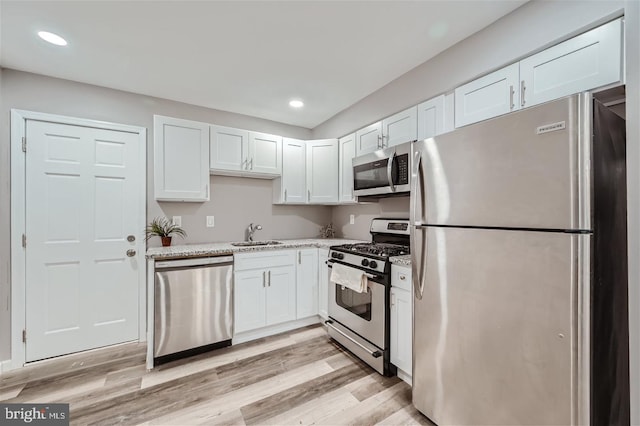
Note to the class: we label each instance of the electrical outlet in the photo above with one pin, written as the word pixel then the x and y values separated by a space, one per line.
pixel 210 222
pixel 352 219
pixel 177 220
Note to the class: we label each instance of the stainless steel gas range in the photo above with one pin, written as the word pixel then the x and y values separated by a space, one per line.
pixel 360 320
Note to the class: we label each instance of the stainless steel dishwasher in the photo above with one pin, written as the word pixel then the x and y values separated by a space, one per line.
pixel 193 305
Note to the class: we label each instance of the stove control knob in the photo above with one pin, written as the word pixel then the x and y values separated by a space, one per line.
pixel 365 262
pixel 373 264
pixel 334 255
pixel 340 256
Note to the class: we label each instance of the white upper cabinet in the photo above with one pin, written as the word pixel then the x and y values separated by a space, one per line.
pixel 292 187
pixel 265 153
pixel 588 61
pixel 181 159
pixel 237 152
pixel 431 121
pixel 229 148
pixel 489 96
pixel 347 150
pixel 399 128
pixel 369 139
pixel 322 176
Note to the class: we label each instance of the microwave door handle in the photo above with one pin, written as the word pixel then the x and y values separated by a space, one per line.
pixel 389 172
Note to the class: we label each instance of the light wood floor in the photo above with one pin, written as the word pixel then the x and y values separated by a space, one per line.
pixel 301 377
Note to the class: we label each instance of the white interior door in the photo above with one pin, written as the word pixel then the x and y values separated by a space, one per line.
pixel 82 202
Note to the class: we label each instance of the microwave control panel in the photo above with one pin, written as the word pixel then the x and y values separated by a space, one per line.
pixel 402 162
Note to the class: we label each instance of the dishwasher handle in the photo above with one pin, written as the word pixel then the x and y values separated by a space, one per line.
pixel 198 261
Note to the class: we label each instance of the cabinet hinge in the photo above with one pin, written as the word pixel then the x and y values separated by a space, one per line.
pixel 24 240
pixel 24 144
pixel 24 336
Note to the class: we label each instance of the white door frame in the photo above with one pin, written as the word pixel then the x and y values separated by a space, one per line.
pixel 18 221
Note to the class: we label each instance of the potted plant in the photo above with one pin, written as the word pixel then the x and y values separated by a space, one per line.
pixel 163 228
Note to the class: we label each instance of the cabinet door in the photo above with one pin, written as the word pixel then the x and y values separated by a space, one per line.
pixel 265 153
pixel 294 165
pixel 489 96
pixel 307 283
pixel 323 283
pixel 585 62
pixel 401 329
pixel 322 171
pixel 369 139
pixel 181 159
pixel 431 118
pixel 229 148
pixel 399 128
pixel 347 150
pixel 249 300
pixel 281 294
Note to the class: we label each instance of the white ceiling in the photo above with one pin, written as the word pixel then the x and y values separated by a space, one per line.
pixel 248 57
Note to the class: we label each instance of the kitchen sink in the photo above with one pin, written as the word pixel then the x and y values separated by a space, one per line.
pixel 256 243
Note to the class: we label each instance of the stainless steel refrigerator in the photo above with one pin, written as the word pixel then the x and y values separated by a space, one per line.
pixel 519 264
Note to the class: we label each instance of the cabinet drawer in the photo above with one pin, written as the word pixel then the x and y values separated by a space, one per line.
pixel 401 277
pixel 263 259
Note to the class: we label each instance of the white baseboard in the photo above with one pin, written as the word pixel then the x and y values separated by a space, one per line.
pixel 274 329
pixel 5 366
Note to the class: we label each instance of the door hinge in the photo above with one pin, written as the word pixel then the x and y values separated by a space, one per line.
pixel 24 241
pixel 24 336
pixel 24 144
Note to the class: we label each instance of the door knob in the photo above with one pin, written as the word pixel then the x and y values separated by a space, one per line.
pixel 131 252
pixel 131 238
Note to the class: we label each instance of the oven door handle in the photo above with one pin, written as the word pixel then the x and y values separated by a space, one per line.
pixel 329 263
pixel 390 170
pixel 375 354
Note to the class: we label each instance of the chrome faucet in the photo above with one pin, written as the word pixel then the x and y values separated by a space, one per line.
pixel 251 229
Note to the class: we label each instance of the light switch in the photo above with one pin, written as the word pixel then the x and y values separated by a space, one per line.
pixel 210 222
pixel 352 219
pixel 177 220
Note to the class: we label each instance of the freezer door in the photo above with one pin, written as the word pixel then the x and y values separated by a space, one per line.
pixel 528 169
pixel 496 340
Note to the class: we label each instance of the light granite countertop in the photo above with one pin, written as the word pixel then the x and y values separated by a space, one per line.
pixel 404 260
pixel 225 248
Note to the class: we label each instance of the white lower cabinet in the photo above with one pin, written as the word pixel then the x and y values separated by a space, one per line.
pixel 323 283
pixel 264 289
pixel 401 329
pixel 307 283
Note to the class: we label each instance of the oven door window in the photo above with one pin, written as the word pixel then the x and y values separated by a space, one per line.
pixel 357 303
pixel 371 175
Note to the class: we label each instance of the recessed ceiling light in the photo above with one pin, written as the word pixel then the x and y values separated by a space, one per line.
pixel 52 38
pixel 296 103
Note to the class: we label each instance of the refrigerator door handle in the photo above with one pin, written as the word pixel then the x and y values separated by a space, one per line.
pixel 389 172
pixel 416 176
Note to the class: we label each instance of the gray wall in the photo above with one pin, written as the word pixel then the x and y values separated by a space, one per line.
pixel 235 202
pixel 632 27
pixel 389 207
pixel 532 27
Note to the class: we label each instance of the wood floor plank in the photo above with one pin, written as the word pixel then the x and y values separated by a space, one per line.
pixel 298 377
pixel 258 412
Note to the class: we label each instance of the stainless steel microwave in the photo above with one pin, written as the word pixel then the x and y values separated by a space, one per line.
pixel 383 172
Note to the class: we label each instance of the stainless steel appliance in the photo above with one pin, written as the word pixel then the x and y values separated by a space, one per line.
pixel 384 172
pixel 360 321
pixel 193 304
pixel 520 269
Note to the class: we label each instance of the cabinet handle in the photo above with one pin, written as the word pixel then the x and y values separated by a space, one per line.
pixel 251 163
pixel 285 195
pixel 511 93
pixel 264 278
pixel 269 278
pixel 522 90
pixel 299 258
pixel 380 141
pixel 393 300
pixel 308 195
